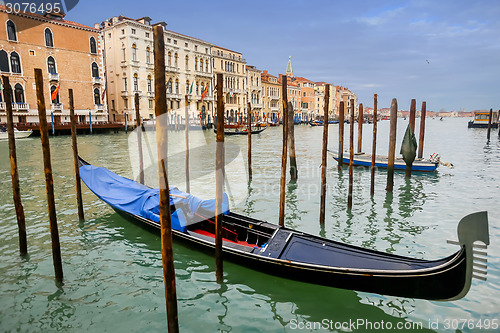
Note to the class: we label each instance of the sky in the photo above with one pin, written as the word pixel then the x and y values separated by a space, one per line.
pixel 444 52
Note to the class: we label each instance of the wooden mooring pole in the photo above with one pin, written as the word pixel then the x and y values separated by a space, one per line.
pixel 284 151
pixel 78 183
pixel 392 146
pixel 341 136
pixel 186 138
pixel 351 156
pixel 249 130
pixel 16 191
pixel 413 112
pixel 164 192
pixel 49 182
pixel 291 143
pixel 323 157
pixel 139 138
pixel 489 125
pixel 374 145
pixel 219 178
pixel 360 128
pixel 423 112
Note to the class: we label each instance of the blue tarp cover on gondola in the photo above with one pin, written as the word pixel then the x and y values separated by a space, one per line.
pixel 134 198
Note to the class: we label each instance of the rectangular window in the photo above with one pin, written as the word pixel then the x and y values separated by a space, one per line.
pixel 195 47
pixel 133 31
pixel 123 31
pixel 150 103
pixel 125 84
pixel 175 42
pixel 185 44
pixel 125 103
pixel 113 104
pixel 32 52
pixel 147 34
pixel 169 40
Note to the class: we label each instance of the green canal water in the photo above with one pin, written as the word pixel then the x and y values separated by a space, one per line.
pixel 112 268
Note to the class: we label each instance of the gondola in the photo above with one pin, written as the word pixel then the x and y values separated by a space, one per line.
pixel 296 255
pixel 241 132
pixel 362 159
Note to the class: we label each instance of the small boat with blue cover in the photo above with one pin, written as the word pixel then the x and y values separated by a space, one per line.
pixel 297 255
pixel 362 159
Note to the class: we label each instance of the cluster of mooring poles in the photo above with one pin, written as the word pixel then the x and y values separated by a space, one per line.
pixel 392 144
pixel 49 182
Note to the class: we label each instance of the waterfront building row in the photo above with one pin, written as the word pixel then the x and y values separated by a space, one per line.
pixel 108 64
pixel 70 57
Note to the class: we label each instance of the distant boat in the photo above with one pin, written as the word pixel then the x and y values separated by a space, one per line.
pixel 241 132
pixel 17 134
pixel 362 159
pixel 481 119
pixel 320 122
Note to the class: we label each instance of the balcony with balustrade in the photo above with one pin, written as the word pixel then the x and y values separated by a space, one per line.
pixel 53 77
pixel 57 107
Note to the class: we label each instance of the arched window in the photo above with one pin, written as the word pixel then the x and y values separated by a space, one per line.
pixel 18 93
pixel 148 55
pixel 206 65
pixel 197 88
pixel 169 59
pixel 134 52
pixel 136 82
pixel 4 61
pixel 49 41
pixel 176 57
pixel 149 83
pixel 176 86
pixel 15 63
pixel 97 96
pixel 51 65
pixel 195 63
pixel 95 70
pixel 201 65
pixel 93 46
pixel 187 87
pixel 169 86
pixel 124 53
pixel 11 31
pixel 187 62
pixel 55 100
pixel 202 88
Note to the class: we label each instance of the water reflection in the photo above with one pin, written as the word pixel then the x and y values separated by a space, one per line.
pixel 289 301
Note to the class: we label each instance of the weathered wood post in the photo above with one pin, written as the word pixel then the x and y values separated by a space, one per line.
pixel 374 145
pixel 351 156
pixel 139 138
pixel 16 191
pixel 341 136
pixel 78 183
pixel 186 137
pixel 360 128
pixel 49 182
pixel 219 179
pixel 323 157
pixel 392 146
pixel 423 112
pixel 249 130
pixel 284 100
pixel 489 124
pixel 413 112
pixel 291 143
pixel 164 192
